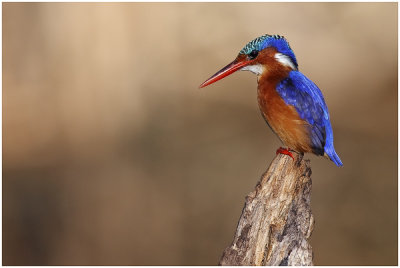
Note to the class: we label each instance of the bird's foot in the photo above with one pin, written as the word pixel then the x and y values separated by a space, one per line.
pixel 284 151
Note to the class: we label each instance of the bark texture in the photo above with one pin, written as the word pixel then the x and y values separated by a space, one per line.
pixel 276 221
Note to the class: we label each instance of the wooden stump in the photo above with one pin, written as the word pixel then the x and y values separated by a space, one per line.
pixel 276 221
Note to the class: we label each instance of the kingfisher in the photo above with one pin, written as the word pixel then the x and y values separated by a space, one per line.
pixel 291 104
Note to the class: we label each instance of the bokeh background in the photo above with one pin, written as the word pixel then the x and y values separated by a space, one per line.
pixel 113 156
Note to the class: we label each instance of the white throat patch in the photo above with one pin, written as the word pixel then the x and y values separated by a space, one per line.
pixel 256 69
pixel 285 60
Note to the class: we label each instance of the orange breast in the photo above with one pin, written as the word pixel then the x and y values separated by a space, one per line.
pixel 282 118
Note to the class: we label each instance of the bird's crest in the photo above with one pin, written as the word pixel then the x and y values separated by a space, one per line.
pixel 264 41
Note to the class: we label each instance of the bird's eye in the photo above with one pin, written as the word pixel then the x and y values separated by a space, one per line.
pixel 253 54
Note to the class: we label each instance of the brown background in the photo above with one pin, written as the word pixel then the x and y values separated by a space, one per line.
pixel 111 155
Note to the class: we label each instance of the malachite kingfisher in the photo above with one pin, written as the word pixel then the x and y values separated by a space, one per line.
pixel 291 104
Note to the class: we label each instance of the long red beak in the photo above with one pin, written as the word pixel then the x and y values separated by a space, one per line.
pixel 227 70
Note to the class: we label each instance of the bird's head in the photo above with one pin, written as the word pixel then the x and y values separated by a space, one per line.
pixel 265 53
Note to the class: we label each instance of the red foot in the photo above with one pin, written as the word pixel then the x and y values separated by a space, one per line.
pixel 284 151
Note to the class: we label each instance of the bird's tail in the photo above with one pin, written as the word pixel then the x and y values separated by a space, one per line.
pixel 330 152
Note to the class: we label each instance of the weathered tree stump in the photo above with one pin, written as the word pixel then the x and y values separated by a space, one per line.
pixel 276 221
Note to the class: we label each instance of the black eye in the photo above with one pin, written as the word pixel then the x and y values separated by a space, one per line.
pixel 252 55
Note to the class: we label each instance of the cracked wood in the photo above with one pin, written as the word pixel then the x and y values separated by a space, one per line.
pixel 276 221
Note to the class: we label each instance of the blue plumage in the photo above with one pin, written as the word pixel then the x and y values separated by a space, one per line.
pixel 305 96
pixel 274 62
pixel 277 41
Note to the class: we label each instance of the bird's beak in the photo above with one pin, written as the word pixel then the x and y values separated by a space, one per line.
pixel 227 70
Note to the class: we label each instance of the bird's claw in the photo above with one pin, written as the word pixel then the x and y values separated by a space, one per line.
pixel 284 151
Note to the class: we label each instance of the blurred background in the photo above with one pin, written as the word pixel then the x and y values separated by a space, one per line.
pixel 113 156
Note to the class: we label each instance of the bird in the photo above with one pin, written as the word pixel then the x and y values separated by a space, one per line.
pixel 291 104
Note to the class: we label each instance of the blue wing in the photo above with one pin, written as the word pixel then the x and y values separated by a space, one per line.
pixel 305 96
